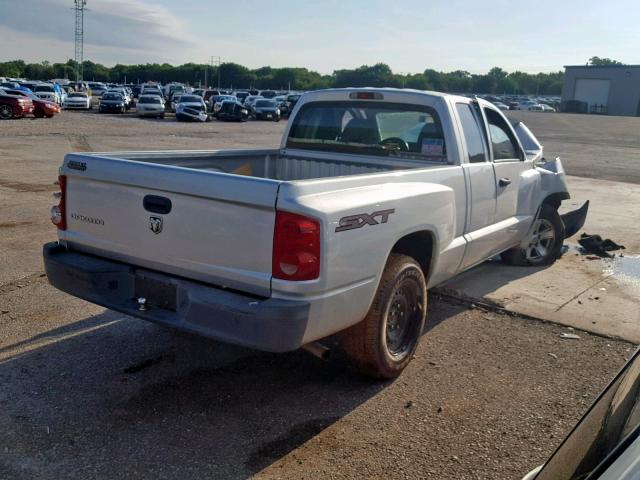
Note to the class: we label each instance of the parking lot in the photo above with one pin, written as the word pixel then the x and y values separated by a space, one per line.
pixel 89 393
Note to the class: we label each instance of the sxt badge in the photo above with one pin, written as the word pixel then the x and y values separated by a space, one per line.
pixel 360 220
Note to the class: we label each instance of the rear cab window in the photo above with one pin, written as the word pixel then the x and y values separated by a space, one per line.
pixel 370 128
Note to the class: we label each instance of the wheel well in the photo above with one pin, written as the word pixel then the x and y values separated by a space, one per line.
pixel 555 199
pixel 417 245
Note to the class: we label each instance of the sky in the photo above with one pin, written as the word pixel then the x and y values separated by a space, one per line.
pixel 408 35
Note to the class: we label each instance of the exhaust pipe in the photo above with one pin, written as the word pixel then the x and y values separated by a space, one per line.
pixel 317 350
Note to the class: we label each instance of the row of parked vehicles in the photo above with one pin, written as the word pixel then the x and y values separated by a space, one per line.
pixel 533 104
pixel 153 100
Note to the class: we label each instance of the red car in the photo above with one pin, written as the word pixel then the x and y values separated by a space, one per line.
pixel 41 107
pixel 14 106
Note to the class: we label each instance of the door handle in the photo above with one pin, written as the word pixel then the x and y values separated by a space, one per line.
pixel 156 204
pixel 504 181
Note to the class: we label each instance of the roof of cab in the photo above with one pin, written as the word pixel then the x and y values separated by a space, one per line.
pixel 395 93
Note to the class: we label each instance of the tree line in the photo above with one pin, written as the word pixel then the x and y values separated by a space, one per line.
pixel 233 75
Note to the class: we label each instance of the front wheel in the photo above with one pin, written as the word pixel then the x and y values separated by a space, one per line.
pixel 5 112
pixel 382 344
pixel 543 246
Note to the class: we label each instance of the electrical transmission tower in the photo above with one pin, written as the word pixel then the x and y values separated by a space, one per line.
pixel 79 9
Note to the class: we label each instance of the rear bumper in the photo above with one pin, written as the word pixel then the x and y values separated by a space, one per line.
pixel 266 324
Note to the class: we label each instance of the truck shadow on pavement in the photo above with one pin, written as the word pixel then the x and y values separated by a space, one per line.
pixel 115 397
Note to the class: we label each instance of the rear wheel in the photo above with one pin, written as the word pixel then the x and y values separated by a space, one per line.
pixel 543 246
pixel 382 345
pixel 5 112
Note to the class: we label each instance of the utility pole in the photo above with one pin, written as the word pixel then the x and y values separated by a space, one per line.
pixel 219 60
pixel 79 52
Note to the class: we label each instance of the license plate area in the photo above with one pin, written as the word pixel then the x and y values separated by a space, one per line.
pixel 158 293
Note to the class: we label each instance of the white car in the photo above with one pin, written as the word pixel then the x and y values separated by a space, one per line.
pixel 78 100
pixel 150 106
pixel 189 100
pixel 47 92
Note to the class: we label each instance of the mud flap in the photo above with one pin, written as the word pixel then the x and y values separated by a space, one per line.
pixel 573 221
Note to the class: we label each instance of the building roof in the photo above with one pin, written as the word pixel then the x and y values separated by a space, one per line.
pixel 602 66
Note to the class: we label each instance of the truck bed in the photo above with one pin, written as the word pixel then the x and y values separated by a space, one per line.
pixel 267 164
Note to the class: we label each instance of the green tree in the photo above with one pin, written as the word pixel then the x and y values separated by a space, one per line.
pixel 603 61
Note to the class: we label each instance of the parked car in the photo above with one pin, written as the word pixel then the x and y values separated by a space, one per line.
pixel 265 109
pixel 250 247
pixel 78 100
pixel 249 102
pixel 41 108
pixel 151 89
pixel 191 102
pixel 14 106
pixel 268 93
pixel 232 111
pixel 546 108
pixel 14 86
pixel 112 102
pixel 173 89
pixel 605 443
pixel 216 102
pixel 241 95
pixel 501 106
pixel 128 98
pixel 291 101
pixel 47 91
pixel 150 106
pixel 208 94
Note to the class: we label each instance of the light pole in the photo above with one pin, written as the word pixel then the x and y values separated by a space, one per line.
pixel 79 37
pixel 219 60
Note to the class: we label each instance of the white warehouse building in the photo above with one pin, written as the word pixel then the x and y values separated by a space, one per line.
pixel 608 89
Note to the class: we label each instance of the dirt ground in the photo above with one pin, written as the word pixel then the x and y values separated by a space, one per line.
pixel 89 393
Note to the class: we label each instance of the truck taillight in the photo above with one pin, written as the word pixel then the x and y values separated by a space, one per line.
pixel 58 212
pixel 296 247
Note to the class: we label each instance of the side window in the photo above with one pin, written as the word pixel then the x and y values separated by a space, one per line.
pixel 472 133
pixel 504 144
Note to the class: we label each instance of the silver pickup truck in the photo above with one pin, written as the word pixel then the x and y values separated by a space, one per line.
pixel 374 196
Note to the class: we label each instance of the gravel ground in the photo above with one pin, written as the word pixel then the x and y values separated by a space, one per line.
pixel 88 393
pixel 92 394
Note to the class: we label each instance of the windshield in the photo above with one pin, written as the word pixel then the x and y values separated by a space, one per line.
pixel 265 104
pixel 371 128
pixel 112 96
pixel 77 95
pixel 150 99
pixel 613 418
pixel 44 88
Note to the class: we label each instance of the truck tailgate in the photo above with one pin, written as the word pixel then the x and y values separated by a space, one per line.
pixel 208 226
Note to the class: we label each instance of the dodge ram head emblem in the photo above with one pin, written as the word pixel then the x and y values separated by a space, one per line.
pixel 155 224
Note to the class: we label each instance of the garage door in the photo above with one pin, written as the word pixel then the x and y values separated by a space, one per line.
pixel 592 91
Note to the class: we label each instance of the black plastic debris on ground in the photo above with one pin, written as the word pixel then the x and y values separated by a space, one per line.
pixel 594 244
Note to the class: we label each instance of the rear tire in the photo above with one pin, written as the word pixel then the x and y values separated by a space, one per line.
pixel 544 245
pixel 382 344
pixel 38 113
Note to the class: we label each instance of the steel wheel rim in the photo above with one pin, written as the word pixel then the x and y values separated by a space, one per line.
pixel 543 237
pixel 403 317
